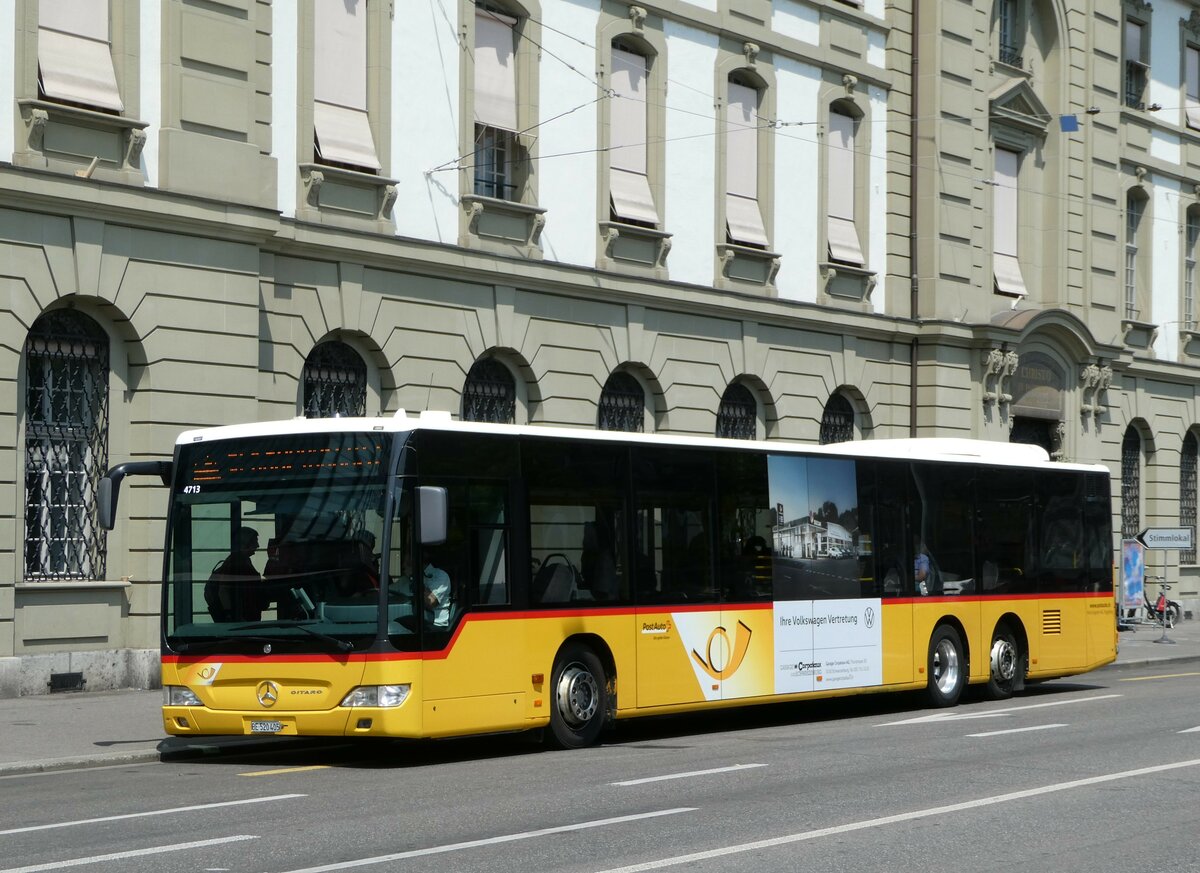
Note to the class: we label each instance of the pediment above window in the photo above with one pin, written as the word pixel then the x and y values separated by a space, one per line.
pixel 1018 105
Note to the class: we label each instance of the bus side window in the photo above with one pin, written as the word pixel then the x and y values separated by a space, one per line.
pixel 893 564
pixel 675 545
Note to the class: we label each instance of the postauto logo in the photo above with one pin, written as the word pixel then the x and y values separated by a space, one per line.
pixel 717 651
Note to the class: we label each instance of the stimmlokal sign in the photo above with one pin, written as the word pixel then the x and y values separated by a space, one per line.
pixel 1166 538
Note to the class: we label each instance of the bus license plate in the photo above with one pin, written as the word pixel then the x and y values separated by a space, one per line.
pixel 258 726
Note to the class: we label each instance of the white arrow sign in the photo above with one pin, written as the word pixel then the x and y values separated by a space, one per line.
pixel 1166 538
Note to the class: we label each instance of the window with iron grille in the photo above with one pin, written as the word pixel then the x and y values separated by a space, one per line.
pixel 490 393
pixel 1187 493
pixel 495 163
pixel 622 404
pixel 1010 38
pixel 837 423
pixel 335 382
pixel 737 417
pixel 1131 483
pixel 66 446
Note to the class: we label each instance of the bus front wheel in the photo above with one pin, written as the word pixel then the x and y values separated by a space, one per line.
pixel 947 667
pixel 580 698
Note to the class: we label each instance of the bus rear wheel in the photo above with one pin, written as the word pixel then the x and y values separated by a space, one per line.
pixel 580 698
pixel 1005 662
pixel 947 667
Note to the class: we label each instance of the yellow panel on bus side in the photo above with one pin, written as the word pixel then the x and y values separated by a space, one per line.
pixel 1101 631
pixel 484 666
pixel 897 642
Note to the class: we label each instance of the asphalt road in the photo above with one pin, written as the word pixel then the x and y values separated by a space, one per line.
pixel 1095 774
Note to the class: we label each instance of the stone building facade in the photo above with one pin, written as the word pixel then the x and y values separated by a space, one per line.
pixel 776 219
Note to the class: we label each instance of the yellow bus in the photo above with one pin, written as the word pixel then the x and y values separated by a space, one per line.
pixel 416 576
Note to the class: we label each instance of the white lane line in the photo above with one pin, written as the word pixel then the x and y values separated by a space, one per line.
pixel 1020 730
pixel 895 819
pixel 992 713
pixel 133 853
pixel 84 821
pixel 688 775
pixel 1191 730
pixel 489 841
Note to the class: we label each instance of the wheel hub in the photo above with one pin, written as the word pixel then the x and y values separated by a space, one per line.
pixel 945 666
pixel 1004 660
pixel 577 694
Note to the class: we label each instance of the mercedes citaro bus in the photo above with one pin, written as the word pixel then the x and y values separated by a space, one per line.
pixel 416 576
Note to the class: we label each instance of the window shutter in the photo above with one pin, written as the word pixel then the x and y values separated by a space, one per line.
pixel 1133 41
pixel 743 216
pixel 495 70
pixel 1192 78
pixel 74 54
pixel 628 183
pixel 340 117
pixel 840 184
pixel 1005 265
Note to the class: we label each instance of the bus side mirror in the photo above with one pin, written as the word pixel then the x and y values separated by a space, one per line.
pixel 110 486
pixel 434 504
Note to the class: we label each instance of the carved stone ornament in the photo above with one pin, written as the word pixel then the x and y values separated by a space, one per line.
pixel 315 180
pixel 536 227
pixel 750 50
pixel 1094 380
pixel 637 15
pixel 38 119
pixel 1192 23
pixel 998 367
pixel 389 200
pixel 850 81
pixel 474 213
pixel 137 141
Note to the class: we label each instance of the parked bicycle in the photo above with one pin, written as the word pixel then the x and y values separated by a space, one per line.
pixel 1162 609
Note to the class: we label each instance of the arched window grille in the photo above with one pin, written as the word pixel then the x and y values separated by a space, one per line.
pixel 490 393
pixel 1187 492
pixel 66 445
pixel 335 382
pixel 738 416
pixel 622 404
pixel 837 423
pixel 1131 483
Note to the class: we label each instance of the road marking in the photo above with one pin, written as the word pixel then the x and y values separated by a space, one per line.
pixel 1163 676
pixel 84 821
pixel 687 775
pixel 488 841
pixel 1191 730
pixel 993 713
pixel 1038 727
pixel 283 770
pixel 895 819
pixel 133 853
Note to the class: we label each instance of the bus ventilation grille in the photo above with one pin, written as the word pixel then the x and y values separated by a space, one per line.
pixel 1052 622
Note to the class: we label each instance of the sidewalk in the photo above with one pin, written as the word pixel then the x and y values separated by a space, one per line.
pixel 103 728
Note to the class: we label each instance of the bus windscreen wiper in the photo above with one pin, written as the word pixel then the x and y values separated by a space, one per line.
pixel 217 642
pixel 341 645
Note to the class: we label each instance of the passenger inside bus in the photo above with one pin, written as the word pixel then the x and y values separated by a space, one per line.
pixel 925 569
pixel 234 590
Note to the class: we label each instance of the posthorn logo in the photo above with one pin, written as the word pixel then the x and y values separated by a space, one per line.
pixel 722 658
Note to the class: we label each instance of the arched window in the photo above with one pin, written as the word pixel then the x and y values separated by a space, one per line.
pixel 335 382
pixel 837 423
pixel 1187 492
pixel 622 404
pixel 1131 483
pixel 490 393
pixel 737 418
pixel 66 445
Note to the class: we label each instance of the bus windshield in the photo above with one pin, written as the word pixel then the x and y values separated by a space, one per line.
pixel 275 542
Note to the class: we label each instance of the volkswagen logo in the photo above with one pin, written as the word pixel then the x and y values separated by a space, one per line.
pixel 869 617
pixel 267 693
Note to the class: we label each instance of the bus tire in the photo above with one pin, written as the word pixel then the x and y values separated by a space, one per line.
pixel 947 667
pixel 579 698
pixel 1004 664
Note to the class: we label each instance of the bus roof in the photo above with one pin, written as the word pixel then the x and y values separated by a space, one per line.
pixel 949 449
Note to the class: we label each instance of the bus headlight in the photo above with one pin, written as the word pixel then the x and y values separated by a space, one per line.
pixel 178 695
pixel 377 695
